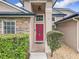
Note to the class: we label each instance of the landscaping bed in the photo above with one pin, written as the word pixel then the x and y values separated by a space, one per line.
pixel 64 52
pixel 14 46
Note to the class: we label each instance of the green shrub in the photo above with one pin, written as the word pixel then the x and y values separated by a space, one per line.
pixel 14 46
pixel 54 39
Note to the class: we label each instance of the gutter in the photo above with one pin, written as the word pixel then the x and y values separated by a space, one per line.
pixel 66 18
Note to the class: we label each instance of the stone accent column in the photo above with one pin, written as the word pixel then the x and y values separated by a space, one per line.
pixel 31 32
pixel 48 21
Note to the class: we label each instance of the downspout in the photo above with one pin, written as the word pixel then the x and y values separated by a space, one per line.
pixel 77 33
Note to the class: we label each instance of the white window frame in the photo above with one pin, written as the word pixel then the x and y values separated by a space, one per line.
pixel 8 21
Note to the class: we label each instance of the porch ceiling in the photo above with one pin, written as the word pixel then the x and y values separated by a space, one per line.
pixel 38 8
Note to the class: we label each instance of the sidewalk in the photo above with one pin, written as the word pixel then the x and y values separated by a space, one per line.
pixel 38 55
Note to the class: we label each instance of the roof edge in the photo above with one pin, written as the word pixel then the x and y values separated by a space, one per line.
pixel 66 18
pixel 59 15
pixel 15 6
pixel 66 9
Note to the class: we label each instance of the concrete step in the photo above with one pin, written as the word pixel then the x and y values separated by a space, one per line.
pixel 38 55
pixel 38 48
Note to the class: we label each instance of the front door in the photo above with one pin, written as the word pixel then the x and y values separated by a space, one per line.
pixel 39 32
pixel 39 26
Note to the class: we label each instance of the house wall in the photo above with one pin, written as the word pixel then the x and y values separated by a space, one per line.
pixel 48 24
pixel 22 25
pixel 5 8
pixel 69 29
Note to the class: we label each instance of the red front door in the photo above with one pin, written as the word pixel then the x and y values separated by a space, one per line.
pixel 39 32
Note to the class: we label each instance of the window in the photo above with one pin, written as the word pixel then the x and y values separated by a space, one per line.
pixel 39 18
pixel 9 27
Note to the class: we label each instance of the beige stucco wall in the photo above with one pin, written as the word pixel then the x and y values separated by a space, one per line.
pixel 6 8
pixel 69 29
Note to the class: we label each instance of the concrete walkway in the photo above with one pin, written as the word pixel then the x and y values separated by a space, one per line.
pixel 38 55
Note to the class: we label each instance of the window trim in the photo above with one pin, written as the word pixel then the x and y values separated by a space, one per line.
pixel 8 21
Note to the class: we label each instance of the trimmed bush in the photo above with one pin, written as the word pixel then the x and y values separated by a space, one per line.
pixel 14 46
pixel 54 40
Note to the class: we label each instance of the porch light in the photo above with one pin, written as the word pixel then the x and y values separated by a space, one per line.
pixel 39 8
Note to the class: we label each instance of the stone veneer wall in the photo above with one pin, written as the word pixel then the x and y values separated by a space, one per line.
pixel 23 25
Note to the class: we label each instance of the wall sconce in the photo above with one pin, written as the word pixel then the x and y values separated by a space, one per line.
pixel 39 8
